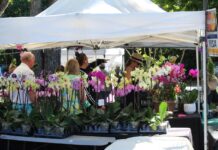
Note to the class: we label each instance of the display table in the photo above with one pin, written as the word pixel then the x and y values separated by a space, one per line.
pixel 91 140
pixel 213 137
pixel 194 123
pixel 179 132
pixel 71 140
pixel 151 143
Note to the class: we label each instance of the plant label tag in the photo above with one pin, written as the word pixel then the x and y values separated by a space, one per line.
pixel 101 102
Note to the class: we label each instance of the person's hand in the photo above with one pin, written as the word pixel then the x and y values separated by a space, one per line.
pixel 102 61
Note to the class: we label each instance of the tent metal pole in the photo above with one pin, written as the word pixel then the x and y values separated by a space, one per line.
pixel 198 80
pixel 123 62
pixel 205 4
pixel 67 54
pixel 205 94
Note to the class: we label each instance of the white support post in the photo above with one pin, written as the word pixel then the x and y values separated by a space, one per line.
pixel 198 80
pixel 123 62
pixel 205 95
pixel 67 54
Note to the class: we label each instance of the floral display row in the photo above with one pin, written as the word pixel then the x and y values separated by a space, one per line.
pixel 166 81
pixel 46 120
pixel 58 111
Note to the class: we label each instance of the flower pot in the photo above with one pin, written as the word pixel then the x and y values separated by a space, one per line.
pixel 156 105
pixel 114 124
pixel 58 130
pixel 171 105
pixel 48 129
pixel 26 128
pixel 190 108
pixel 104 126
pixel 134 124
pixel 164 125
pixel 6 125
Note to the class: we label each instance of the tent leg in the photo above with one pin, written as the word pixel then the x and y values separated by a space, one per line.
pixel 205 95
pixel 67 54
pixel 198 80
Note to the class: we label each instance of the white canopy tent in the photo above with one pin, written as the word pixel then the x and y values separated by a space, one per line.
pixel 102 23
pixel 100 7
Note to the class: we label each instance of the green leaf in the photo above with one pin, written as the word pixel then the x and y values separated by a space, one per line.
pixel 163 110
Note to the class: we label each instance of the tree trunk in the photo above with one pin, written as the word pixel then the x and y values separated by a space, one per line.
pixel 50 2
pixel 47 60
pixel 3 6
pixel 52 59
pixel 35 7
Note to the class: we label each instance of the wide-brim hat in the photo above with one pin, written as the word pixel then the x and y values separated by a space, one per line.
pixel 137 58
pixel 213 82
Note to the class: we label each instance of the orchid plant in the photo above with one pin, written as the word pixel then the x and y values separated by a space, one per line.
pixel 111 80
pixel 168 78
pixel 97 81
pixel 186 95
pixel 124 87
pixel 143 78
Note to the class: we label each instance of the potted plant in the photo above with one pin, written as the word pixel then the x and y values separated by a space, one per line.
pixel 158 120
pixel 113 110
pixel 25 122
pixel 212 79
pixel 102 120
pixel 167 79
pixel 124 116
pixel 10 121
pixel 188 98
pixel 135 118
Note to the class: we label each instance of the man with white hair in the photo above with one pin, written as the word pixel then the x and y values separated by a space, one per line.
pixel 22 98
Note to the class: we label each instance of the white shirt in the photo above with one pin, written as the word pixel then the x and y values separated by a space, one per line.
pixel 25 73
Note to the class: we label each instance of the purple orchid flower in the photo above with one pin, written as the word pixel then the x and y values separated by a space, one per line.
pixel 53 78
pixel 193 73
pixel 76 84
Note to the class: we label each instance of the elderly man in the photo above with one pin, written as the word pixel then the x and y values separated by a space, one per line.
pixel 23 98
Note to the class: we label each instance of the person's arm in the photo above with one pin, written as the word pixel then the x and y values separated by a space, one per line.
pixel 96 63
pixel 128 73
pixel 82 96
pixel 33 97
pixel 32 94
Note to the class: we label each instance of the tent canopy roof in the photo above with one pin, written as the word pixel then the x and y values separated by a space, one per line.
pixel 128 21
pixel 100 7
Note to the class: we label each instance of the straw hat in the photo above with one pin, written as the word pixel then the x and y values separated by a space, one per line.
pixel 137 58
pixel 212 83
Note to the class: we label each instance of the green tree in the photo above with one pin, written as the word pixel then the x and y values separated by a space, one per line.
pixel 184 5
pixel 3 6
pixel 17 8
pixel 35 7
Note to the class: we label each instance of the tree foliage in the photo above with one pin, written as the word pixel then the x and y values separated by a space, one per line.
pixel 3 6
pixel 184 5
pixel 35 7
pixel 17 8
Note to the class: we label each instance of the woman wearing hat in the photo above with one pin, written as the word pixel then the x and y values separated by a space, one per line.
pixel 134 62
pixel 212 85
